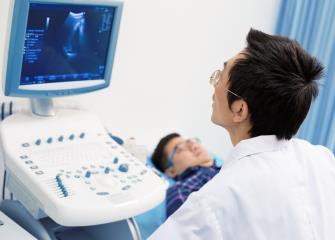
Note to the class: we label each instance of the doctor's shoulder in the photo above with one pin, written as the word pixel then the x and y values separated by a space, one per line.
pixel 225 181
pixel 308 149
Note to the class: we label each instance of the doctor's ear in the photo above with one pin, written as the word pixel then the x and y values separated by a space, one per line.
pixel 170 172
pixel 240 110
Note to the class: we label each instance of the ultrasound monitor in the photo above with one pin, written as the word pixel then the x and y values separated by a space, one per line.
pixel 60 47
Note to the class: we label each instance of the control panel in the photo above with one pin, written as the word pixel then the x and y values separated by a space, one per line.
pixel 68 167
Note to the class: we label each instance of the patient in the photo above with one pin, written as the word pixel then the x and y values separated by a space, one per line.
pixel 188 163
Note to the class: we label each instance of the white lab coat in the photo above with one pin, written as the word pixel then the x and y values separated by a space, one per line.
pixel 267 190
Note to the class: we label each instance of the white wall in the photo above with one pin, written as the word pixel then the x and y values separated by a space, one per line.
pixel 165 54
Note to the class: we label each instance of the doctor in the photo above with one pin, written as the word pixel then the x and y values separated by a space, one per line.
pixel 272 186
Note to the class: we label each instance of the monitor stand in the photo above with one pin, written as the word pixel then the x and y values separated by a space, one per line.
pixel 43 107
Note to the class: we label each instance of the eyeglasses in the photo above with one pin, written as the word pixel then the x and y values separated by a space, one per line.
pixel 187 144
pixel 215 78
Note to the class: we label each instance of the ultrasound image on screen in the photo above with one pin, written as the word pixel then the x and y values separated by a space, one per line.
pixel 66 43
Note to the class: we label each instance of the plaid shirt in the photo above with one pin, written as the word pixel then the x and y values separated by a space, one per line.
pixel 192 179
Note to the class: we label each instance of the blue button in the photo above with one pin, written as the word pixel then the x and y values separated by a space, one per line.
pixel 82 135
pixel 38 142
pixel 58 180
pixel 123 167
pixel 60 139
pixel 107 170
pixel 88 174
pixel 116 160
pixel 71 137
pixel 49 140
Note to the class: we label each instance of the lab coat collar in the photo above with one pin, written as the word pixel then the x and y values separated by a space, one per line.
pixel 255 145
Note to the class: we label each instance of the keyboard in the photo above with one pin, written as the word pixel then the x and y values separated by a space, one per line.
pixel 70 169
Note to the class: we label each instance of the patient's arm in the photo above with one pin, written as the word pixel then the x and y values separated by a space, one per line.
pixel 174 199
pixel 190 181
pixel 178 193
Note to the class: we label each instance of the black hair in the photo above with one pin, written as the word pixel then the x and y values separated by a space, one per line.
pixel 277 79
pixel 158 157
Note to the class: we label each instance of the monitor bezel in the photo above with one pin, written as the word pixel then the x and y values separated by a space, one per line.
pixel 16 42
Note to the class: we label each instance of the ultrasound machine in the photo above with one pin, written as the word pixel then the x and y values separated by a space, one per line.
pixel 66 177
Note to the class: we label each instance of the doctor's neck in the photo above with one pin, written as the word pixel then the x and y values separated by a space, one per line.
pixel 239 134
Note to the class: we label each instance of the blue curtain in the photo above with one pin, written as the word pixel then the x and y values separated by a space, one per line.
pixel 312 24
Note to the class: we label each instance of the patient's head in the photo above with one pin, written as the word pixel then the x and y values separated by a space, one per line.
pixel 174 154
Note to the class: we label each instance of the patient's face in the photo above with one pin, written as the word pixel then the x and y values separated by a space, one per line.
pixel 188 153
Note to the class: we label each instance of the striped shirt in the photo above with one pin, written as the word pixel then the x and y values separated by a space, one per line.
pixel 191 180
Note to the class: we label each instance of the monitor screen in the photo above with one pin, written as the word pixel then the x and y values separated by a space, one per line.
pixel 66 43
pixel 60 47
